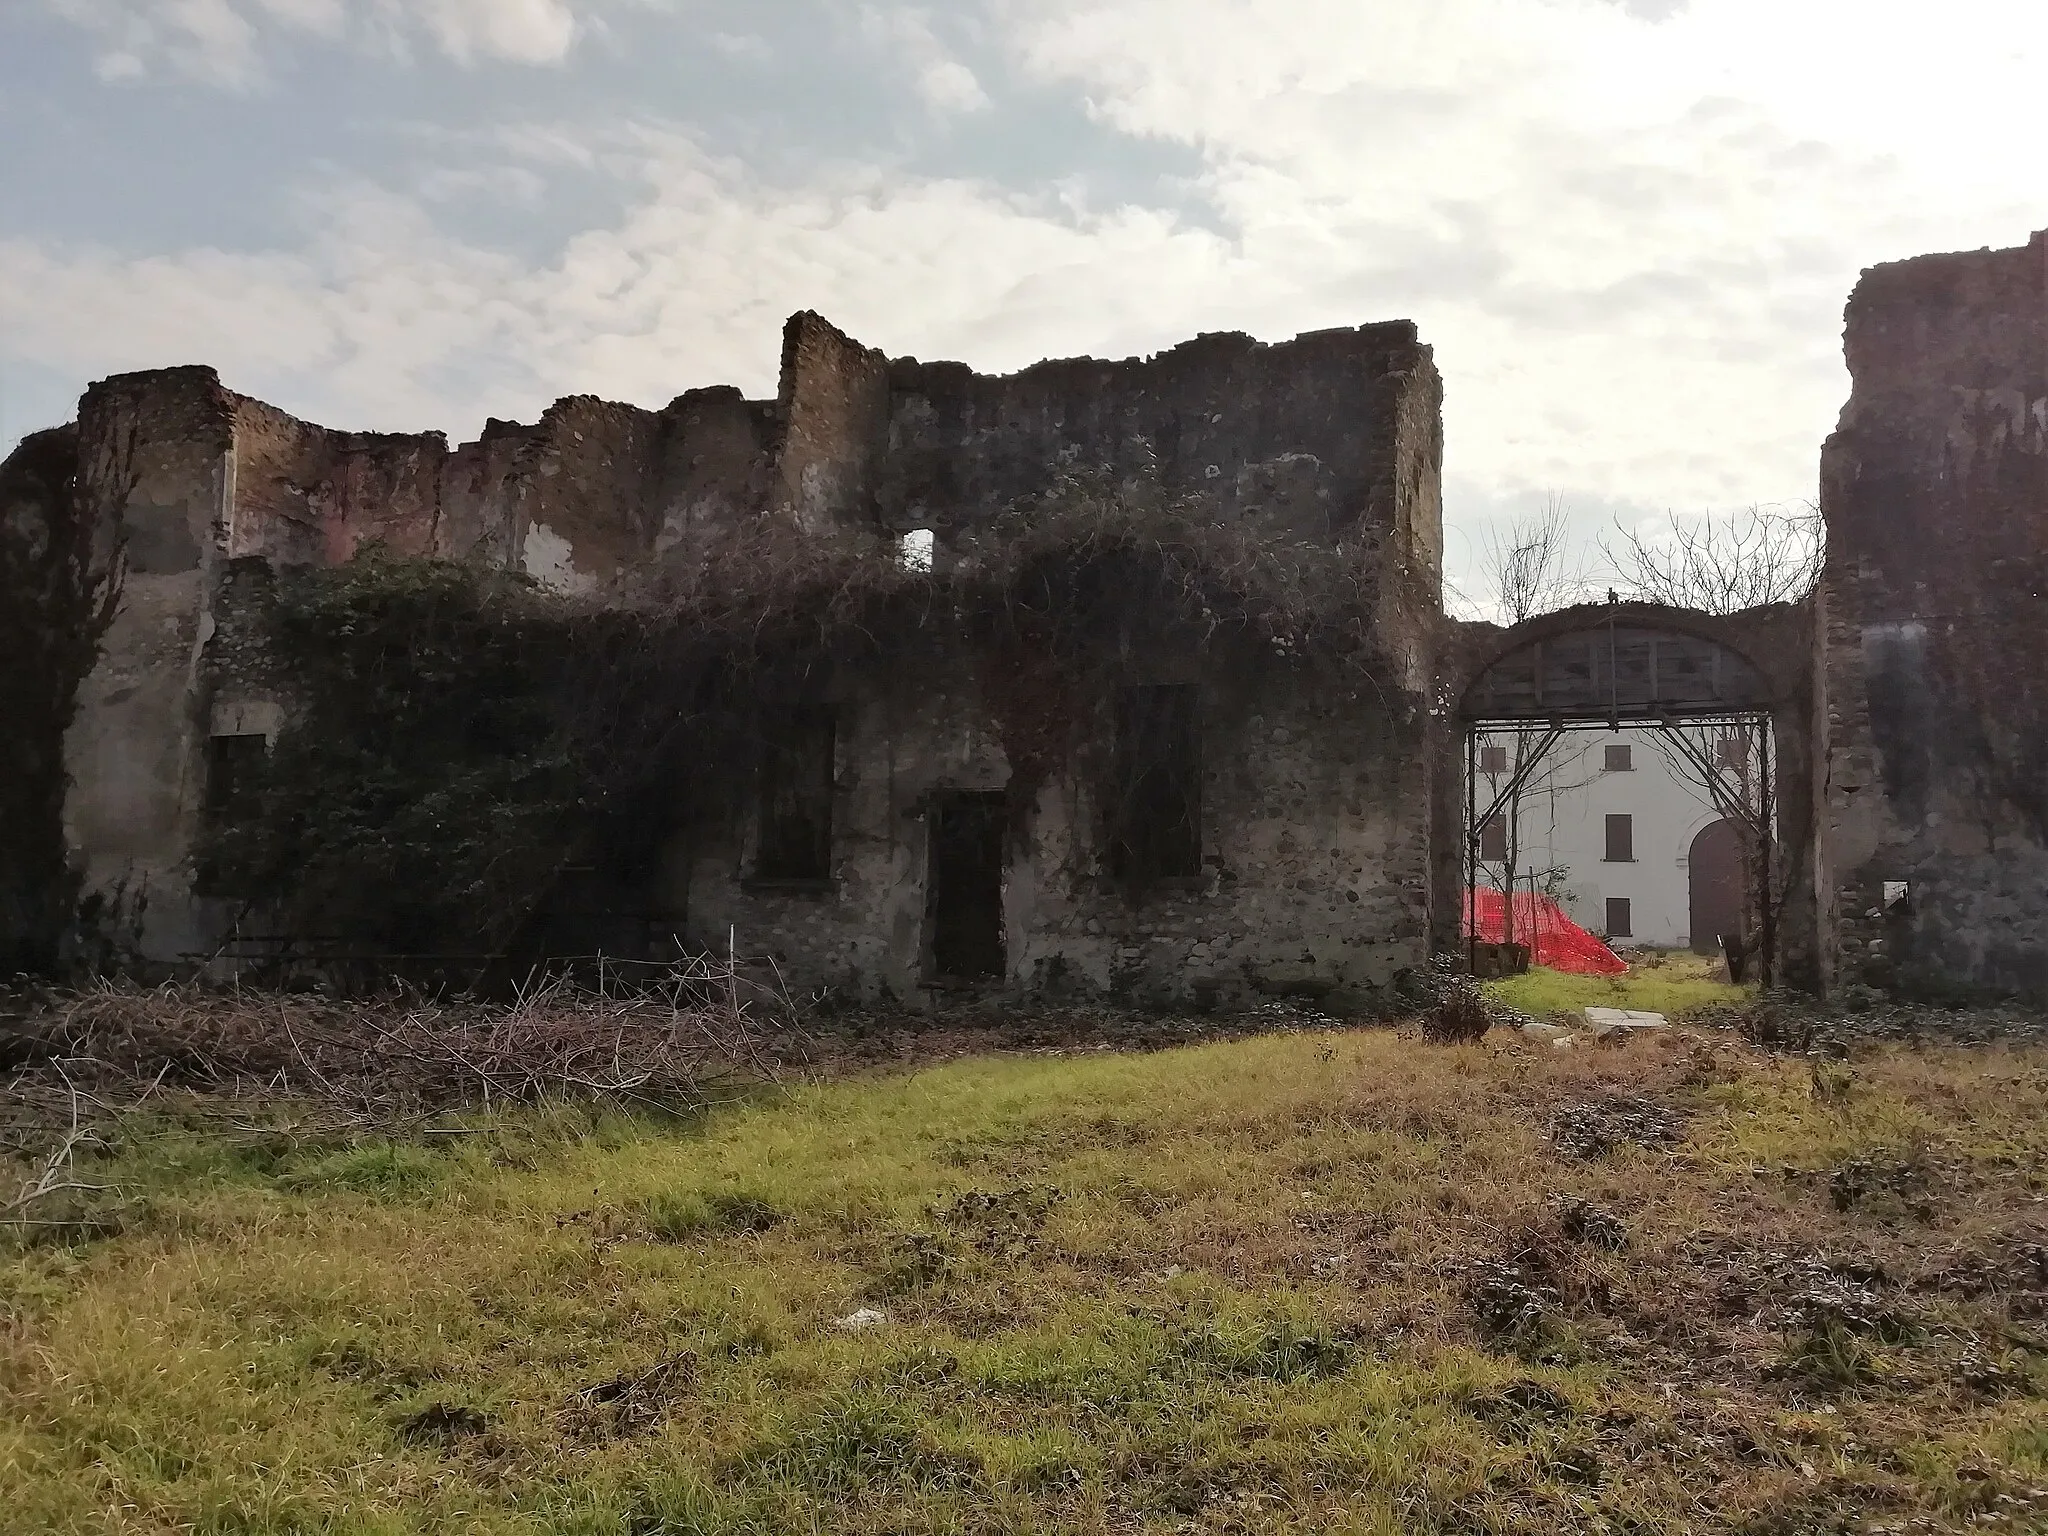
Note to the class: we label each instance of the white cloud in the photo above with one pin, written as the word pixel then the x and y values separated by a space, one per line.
pixel 209 39
pixel 519 31
pixel 225 42
pixel 386 321
pixel 1628 230
pixel 945 84
pixel 1629 239
pixel 747 46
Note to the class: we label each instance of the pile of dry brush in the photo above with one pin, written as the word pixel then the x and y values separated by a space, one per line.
pixel 695 1035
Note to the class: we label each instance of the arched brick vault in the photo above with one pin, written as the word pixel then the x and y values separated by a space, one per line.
pixel 1775 642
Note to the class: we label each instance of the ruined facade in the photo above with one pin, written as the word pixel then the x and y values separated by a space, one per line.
pixel 890 846
pixel 897 837
pixel 1934 607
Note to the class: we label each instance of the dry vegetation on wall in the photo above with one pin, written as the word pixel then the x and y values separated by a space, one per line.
pixel 1326 1282
pixel 460 736
pixel 60 581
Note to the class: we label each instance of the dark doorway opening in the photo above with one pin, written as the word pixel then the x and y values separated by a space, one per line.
pixel 964 892
pixel 1714 874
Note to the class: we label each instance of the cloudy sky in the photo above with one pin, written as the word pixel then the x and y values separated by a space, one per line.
pixel 1627 226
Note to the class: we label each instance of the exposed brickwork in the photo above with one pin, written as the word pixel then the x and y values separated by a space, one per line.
pixel 157 449
pixel 1911 700
pixel 1313 871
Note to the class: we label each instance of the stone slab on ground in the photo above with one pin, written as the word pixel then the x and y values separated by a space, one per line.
pixel 1609 1021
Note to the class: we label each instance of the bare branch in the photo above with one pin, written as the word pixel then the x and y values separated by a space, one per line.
pixel 1529 568
pixel 1722 564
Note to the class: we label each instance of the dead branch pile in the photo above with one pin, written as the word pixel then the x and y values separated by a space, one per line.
pixel 679 1042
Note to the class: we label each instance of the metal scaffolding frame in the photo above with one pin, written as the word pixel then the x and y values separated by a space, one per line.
pixel 1756 820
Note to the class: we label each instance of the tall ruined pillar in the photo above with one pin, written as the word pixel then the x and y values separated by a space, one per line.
pixel 1935 600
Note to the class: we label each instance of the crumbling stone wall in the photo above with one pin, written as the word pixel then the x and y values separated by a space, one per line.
pixel 1314 878
pixel 1317 871
pixel 1333 437
pixel 1935 491
pixel 59 581
pixel 164 446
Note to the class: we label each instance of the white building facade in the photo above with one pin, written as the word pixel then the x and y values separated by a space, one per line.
pixel 1621 831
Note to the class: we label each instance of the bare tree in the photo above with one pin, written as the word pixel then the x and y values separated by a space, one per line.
pixel 1506 861
pixel 1529 567
pixel 1722 564
pixel 1725 565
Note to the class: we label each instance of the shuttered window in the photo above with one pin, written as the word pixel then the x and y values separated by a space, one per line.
pixel 1621 839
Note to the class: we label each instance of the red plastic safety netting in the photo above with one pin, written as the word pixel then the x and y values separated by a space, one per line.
pixel 1554 940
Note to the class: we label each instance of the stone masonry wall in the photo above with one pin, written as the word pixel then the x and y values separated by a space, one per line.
pixel 1315 804
pixel 1935 490
pixel 133 750
pixel 1315 851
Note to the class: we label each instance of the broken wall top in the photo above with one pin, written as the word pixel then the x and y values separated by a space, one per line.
pixel 1334 435
pixel 1937 474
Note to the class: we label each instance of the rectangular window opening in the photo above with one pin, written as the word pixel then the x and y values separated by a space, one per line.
pixel 1493 759
pixel 1156 819
pixel 233 765
pixel 1620 921
pixel 1731 751
pixel 1621 759
pixel 797 781
pixel 1493 841
pixel 1621 839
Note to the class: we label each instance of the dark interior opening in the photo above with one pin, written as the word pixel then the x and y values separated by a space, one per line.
pixel 1157 825
pixel 796 795
pixel 964 896
pixel 233 766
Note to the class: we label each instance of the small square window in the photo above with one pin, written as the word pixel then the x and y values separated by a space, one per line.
pixel 1493 759
pixel 1731 751
pixel 1621 760
pixel 1620 920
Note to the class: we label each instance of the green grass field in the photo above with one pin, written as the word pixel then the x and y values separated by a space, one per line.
pixel 1345 1282
pixel 1670 984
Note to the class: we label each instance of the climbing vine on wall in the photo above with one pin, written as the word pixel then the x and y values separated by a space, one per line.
pixel 61 573
pixel 457 737
pixel 424 789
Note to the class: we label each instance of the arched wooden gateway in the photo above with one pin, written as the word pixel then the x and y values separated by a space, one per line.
pixel 1604 666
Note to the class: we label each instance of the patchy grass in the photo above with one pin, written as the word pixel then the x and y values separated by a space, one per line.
pixel 1343 1283
pixel 1656 982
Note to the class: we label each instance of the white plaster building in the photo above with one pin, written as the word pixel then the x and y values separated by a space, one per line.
pixel 1616 829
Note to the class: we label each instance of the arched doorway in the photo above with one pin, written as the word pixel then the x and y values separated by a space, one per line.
pixel 1692 678
pixel 1714 873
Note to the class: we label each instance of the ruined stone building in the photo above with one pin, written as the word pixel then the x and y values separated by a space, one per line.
pixel 1216 820
pixel 893 841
